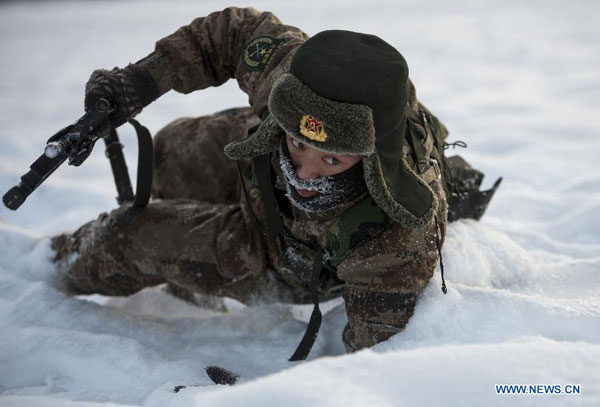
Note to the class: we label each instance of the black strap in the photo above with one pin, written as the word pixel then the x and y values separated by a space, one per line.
pixel 254 217
pixel 420 152
pixel 275 229
pixel 143 188
pixel 439 248
pixel 314 324
pixel 275 226
pixel 114 151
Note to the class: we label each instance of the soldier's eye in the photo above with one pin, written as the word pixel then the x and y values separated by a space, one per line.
pixel 331 160
pixel 298 144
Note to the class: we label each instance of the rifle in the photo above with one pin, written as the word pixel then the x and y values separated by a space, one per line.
pixel 75 143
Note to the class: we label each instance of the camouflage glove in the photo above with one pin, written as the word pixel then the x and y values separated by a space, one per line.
pixel 130 89
pixel 374 316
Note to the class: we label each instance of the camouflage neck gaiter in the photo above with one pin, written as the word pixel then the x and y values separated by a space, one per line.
pixel 333 191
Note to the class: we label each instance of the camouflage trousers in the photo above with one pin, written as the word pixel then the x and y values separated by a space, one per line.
pixel 196 234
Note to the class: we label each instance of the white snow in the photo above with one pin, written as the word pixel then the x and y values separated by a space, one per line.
pixel 518 81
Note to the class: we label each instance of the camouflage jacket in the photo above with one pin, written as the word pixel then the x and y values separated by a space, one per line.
pixel 381 278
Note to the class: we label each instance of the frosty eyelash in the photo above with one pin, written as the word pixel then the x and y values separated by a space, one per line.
pixel 334 160
pixel 329 160
pixel 297 144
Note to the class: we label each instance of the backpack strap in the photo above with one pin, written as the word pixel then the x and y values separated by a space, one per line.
pixel 351 229
pixel 427 158
pixel 275 227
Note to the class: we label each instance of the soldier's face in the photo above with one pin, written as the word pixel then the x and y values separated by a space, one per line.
pixel 311 163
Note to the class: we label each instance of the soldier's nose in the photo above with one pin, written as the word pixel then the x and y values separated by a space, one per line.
pixel 305 172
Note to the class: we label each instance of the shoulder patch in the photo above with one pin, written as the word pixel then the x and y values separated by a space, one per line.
pixel 258 52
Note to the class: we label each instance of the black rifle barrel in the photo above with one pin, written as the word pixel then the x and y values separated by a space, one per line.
pixel 71 138
pixel 40 170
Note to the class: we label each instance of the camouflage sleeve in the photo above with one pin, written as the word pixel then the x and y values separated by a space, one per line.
pixel 253 47
pixel 383 278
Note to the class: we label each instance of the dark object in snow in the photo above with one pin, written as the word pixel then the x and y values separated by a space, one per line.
pixel 177 388
pixel 76 142
pixel 220 375
pixel 465 200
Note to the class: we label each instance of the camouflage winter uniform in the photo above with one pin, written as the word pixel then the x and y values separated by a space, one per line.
pixel 200 233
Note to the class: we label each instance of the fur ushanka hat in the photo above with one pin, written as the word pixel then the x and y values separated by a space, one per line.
pixel 347 93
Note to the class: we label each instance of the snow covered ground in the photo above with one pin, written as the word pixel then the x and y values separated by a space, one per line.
pixel 518 81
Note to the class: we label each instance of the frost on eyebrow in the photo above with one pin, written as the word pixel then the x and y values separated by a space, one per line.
pixel 341 158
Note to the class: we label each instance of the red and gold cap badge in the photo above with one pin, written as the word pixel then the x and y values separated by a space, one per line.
pixel 312 128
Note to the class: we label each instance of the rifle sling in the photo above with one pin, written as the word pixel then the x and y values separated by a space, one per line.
pixel 114 152
pixel 143 188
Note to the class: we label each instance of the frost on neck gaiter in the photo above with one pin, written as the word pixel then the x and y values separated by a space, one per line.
pixel 332 191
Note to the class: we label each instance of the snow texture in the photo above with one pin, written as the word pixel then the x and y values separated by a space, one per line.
pixel 518 81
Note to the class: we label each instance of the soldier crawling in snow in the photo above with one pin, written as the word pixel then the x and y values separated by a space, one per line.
pixel 339 189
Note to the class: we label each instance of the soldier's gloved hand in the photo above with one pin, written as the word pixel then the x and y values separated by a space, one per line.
pixel 129 89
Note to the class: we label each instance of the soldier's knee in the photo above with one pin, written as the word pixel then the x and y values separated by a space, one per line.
pixel 166 139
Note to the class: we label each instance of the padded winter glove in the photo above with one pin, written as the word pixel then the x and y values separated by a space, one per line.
pixel 130 89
